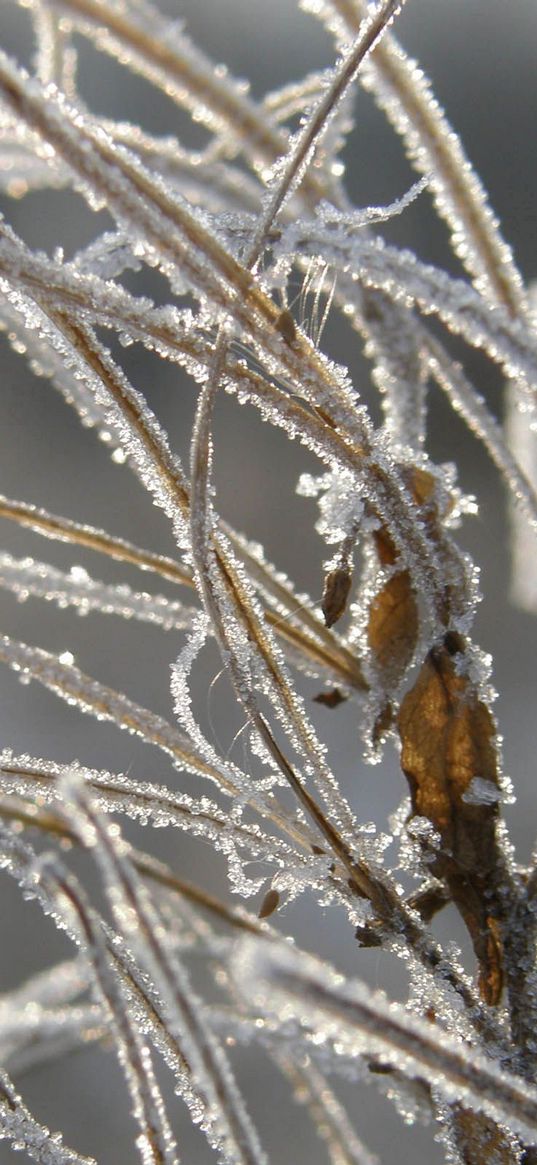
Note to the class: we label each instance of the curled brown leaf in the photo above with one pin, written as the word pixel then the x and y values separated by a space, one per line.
pixel 286 326
pixel 449 758
pixel 392 628
pixel 331 698
pixel 269 904
pixel 337 586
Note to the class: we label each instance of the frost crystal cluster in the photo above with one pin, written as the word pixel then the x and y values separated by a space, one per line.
pixel 249 245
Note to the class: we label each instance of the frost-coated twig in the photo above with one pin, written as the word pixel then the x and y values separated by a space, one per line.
pixel 292 620
pixel 157 48
pixel 201 517
pixel 312 1089
pixel 61 676
pixel 61 895
pixel 20 1127
pixel 401 276
pixel 150 804
pixel 15 810
pixel 366 882
pixel 225 1116
pixel 181 240
pixel 310 136
pixel 361 1021
pixel 233 611
pixel 405 94
pixel 25 577
pixel 70 684
pixel 65 530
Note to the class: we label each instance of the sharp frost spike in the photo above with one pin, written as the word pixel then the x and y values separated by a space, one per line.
pixel 358 219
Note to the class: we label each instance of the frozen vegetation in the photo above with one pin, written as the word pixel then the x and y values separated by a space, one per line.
pixel 234 229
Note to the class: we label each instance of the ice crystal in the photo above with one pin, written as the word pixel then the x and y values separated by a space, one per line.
pixel 25 1133
pixel 77 589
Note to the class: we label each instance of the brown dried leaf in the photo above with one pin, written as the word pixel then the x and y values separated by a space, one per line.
pixel 386 552
pixel 421 484
pixel 370 934
pixel 270 903
pixel 383 723
pixel 286 326
pixel 330 699
pixel 392 629
pixel 337 585
pixel 448 740
pixel 428 901
pixel 479 1139
pixel 393 621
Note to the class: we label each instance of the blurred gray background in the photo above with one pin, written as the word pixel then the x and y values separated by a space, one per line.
pixel 481 56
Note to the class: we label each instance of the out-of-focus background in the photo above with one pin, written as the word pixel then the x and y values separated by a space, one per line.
pixel 480 55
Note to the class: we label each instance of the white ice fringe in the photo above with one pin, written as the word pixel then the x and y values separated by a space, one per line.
pixel 224 1120
pixel 26 576
pixel 18 1126
pixel 360 1022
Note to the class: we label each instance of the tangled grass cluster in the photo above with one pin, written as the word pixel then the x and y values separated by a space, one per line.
pixel 176 980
